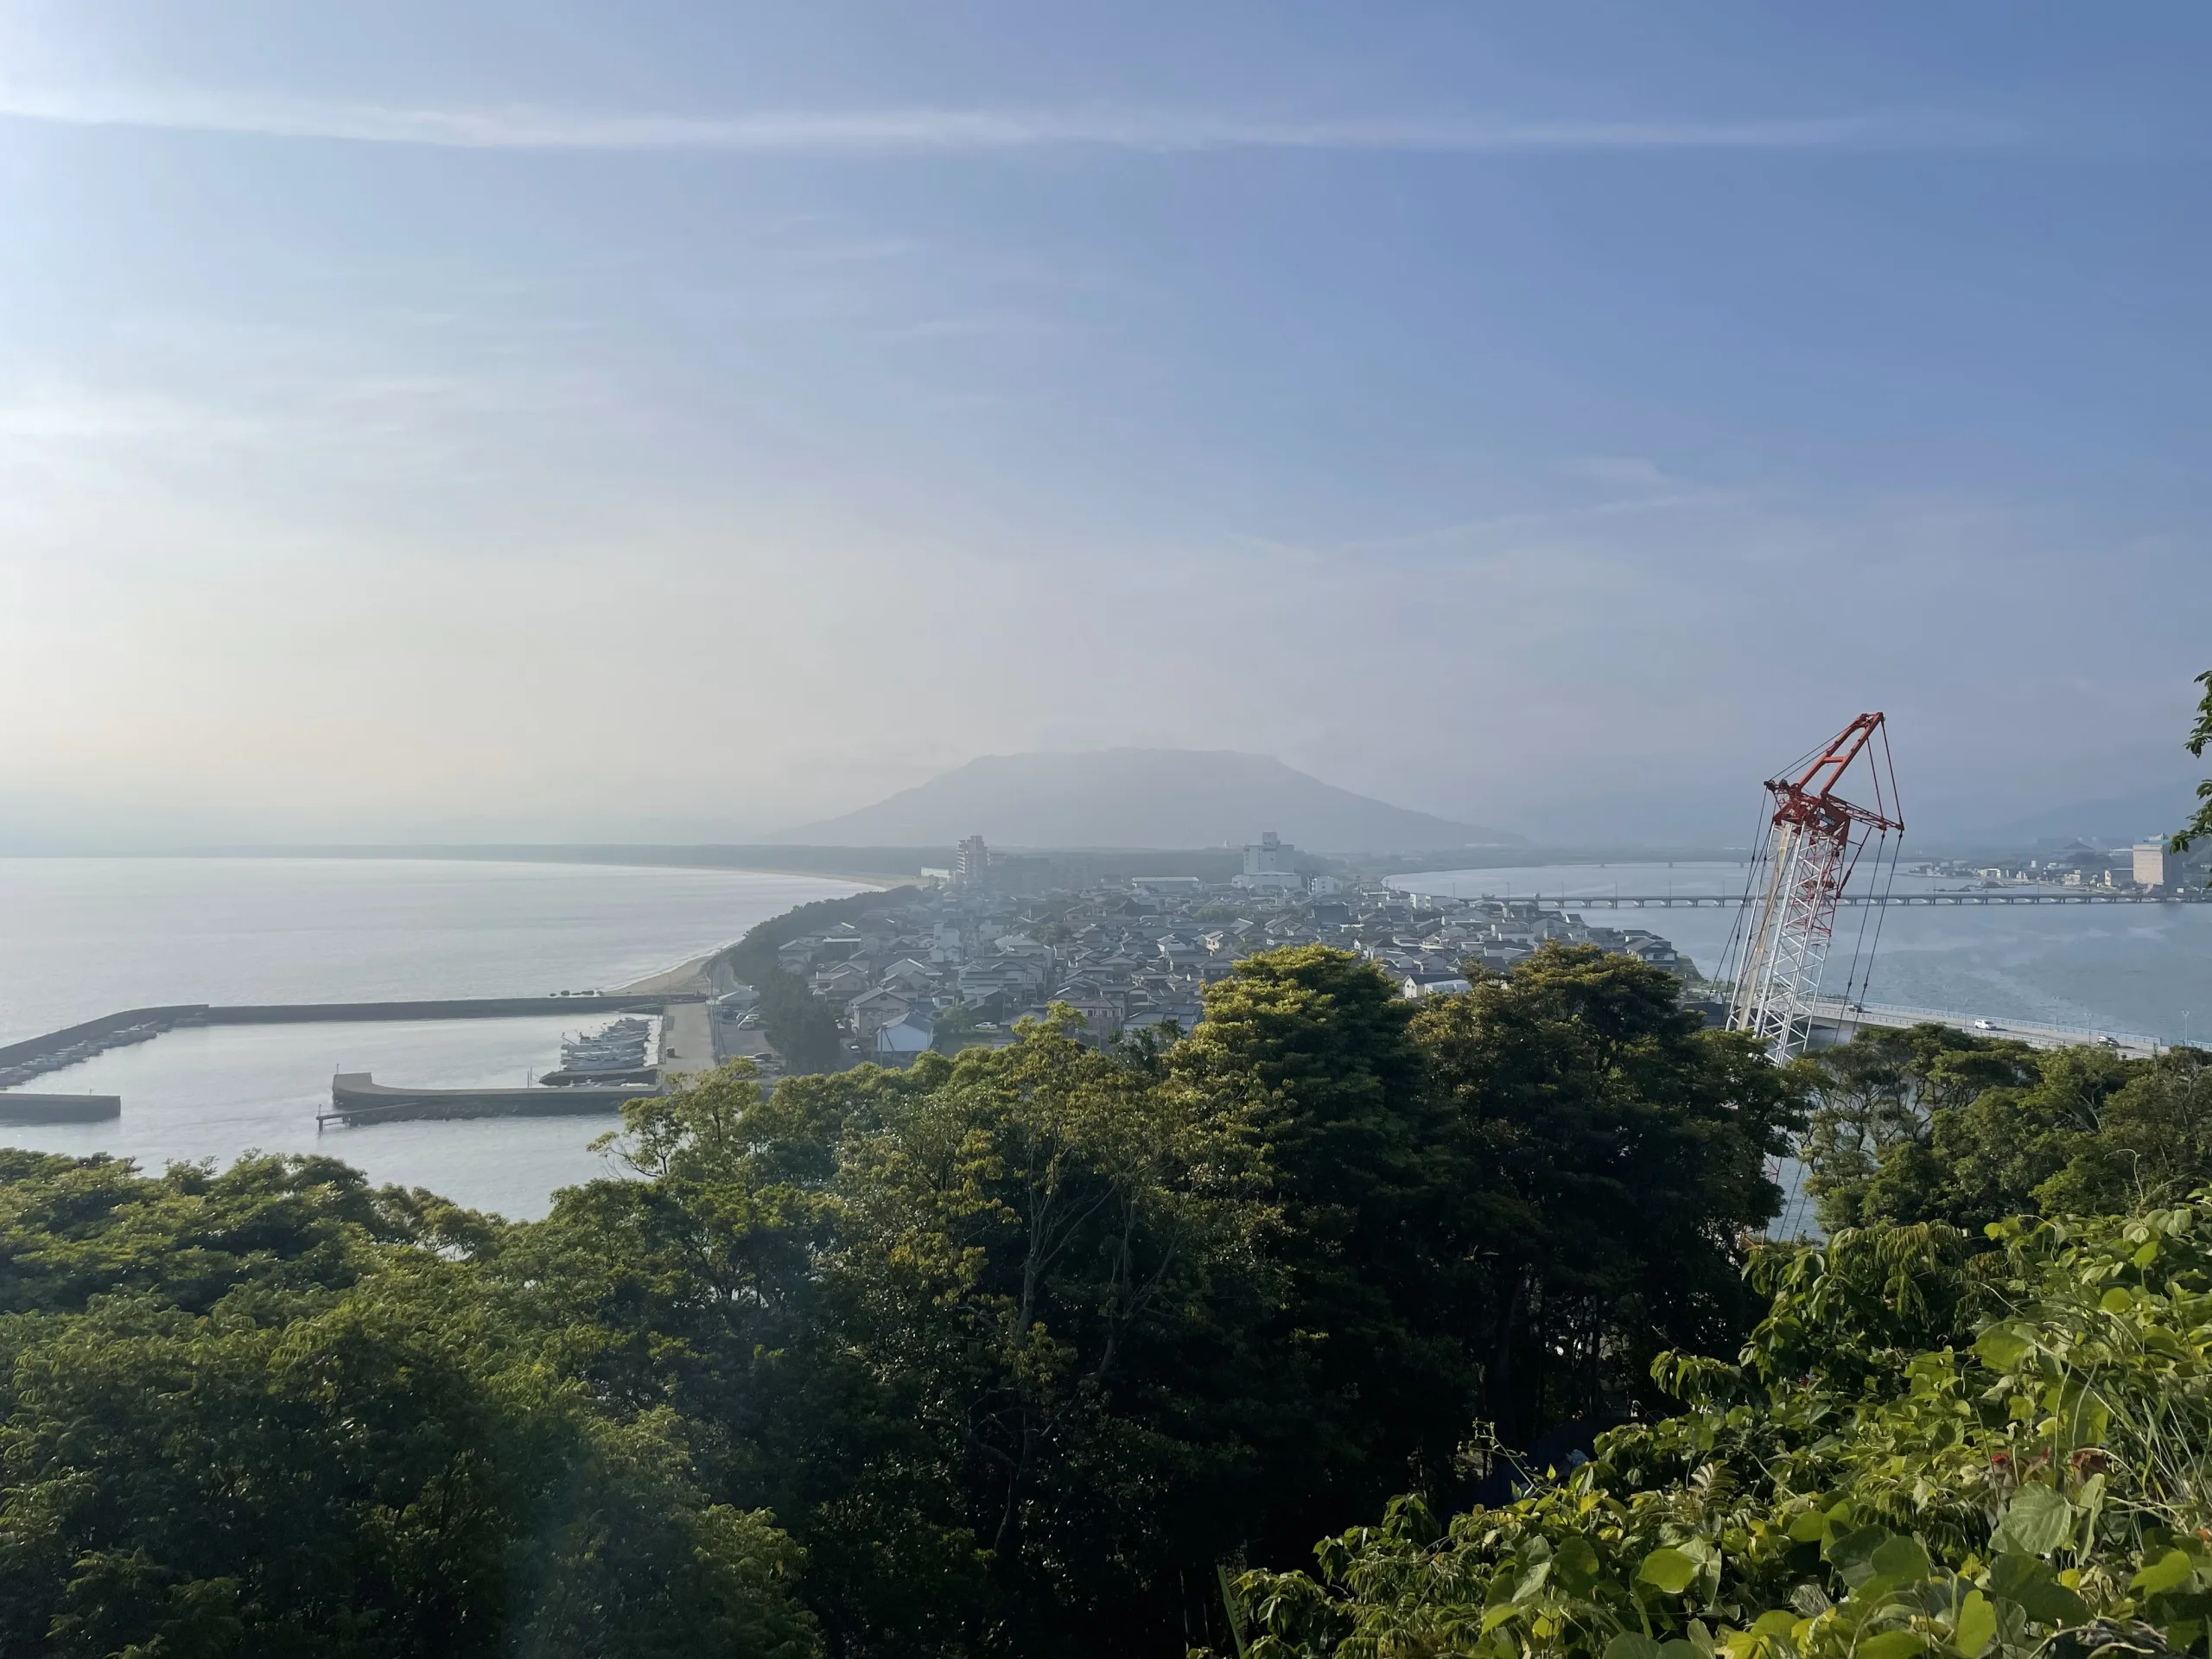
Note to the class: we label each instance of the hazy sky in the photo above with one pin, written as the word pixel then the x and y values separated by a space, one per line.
pixel 534 418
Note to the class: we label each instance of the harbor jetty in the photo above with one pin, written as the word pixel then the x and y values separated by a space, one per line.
pixel 356 1097
pixel 32 1057
pixel 26 1108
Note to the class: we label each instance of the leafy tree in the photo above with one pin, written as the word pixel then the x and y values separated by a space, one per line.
pixel 946 1321
pixel 1909 1459
pixel 1875 1101
pixel 956 1027
pixel 803 1029
pixel 999 1353
pixel 1352 1375
pixel 2199 828
pixel 1609 1162
pixel 2153 1143
pixel 248 1412
pixel 1935 1125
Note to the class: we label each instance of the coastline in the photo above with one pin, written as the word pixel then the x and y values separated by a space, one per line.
pixel 637 856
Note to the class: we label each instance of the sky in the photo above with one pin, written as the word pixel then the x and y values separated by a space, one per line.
pixel 656 421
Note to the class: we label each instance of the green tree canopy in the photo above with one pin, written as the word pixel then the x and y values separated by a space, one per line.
pixel 2199 828
pixel 251 1413
pixel 1933 1124
pixel 1611 1157
pixel 1921 1451
pixel 1007 1353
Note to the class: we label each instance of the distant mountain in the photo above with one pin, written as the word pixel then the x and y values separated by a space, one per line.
pixel 2142 815
pixel 1142 797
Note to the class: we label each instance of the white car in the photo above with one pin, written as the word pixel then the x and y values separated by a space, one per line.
pixel 1986 1024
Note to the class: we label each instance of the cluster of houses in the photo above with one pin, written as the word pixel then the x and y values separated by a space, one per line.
pixel 960 962
pixel 2150 867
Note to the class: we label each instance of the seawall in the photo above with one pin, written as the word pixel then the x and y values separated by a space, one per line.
pixel 357 1097
pixel 283 1013
pixel 58 1108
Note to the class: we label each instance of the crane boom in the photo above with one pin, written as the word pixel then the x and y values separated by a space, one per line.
pixel 1814 841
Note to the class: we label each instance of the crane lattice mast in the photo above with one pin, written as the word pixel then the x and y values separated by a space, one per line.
pixel 1814 841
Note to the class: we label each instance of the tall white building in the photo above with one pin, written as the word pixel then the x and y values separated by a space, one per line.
pixel 1267 867
pixel 971 864
pixel 2156 867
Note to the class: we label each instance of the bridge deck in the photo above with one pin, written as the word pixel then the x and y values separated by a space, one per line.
pixel 1924 901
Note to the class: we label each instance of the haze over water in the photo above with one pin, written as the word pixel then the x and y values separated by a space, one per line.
pixel 80 937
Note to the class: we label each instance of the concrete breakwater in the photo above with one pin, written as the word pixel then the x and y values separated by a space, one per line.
pixel 357 1097
pixel 59 1109
pixel 21 1061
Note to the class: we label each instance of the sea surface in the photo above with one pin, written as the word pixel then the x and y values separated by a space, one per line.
pixel 2140 969
pixel 80 937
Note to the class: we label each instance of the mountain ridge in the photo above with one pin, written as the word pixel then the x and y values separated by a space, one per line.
pixel 1142 797
pixel 2156 812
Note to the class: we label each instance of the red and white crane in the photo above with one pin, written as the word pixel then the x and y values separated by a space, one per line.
pixel 1814 841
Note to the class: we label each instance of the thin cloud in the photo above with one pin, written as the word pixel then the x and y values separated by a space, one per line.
pixel 926 131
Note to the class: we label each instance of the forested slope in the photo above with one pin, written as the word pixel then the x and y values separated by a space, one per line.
pixel 1048 1350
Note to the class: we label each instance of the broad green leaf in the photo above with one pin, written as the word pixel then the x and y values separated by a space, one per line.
pixel 2054 1604
pixel 1632 1644
pixel 2003 1346
pixel 1667 1570
pixel 1893 1644
pixel 2083 1416
pixel 2116 1300
pixel 2037 1523
pixel 1900 1558
pixel 2170 1572
pixel 1775 1622
pixel 1575 1566
pixel 2035 1589
pixel 1532 1582
pixel 1809 1528
pixel 1977 1625
pixel 1853 1555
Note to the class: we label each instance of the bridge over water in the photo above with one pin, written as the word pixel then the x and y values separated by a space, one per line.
pixel 1920 900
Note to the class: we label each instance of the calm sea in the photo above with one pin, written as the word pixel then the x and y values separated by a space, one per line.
pixel 2144 968
pixel 80 937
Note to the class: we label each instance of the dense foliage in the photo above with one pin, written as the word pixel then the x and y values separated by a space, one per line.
pixel 1932 1124
pixel 2199 828
pixel 1922 1450
pixel 1008 1352
pixel 263 1413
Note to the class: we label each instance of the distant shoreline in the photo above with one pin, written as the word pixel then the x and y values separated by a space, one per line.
pixel 620 857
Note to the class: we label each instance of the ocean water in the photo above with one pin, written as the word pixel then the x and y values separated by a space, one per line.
pixel 80 937
pixel 2144 968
